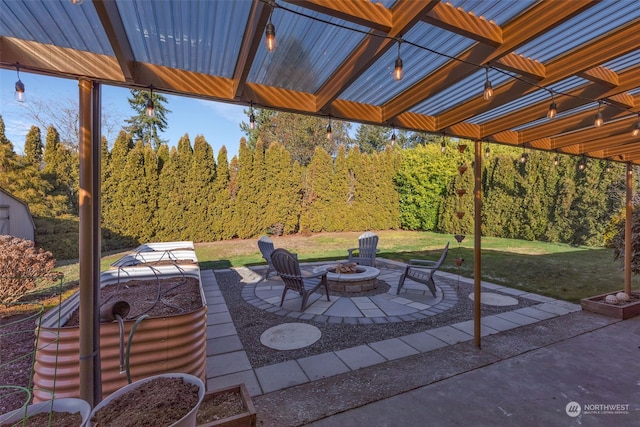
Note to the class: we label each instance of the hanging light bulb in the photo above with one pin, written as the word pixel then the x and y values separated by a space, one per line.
pixel 398 72
pixel 270 34
pixel 582 164
pixel 393 136
pixel 636 130
pixel 443 145
pixel 523 157
pixel 553 109
pixel 19 94
pixel 329 129
pixel 608 168
pixel 598 121
pixel 487 152
pixel 556 160
pixel 252 118
pixel 488 89
pixel 151 108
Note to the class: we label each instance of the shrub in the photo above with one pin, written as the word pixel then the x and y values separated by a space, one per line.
pixel 22 267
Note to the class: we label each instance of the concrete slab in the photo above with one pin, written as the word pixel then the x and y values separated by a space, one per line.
pixel 322 366
pixel 535 313
pixel 227 363
pixel 423 341
pixel 359 357
pixel 468 327
pixel 290 336
pixel 222 345
pixel 393 348
pixel 517 318
pixel 344 307
pixel 498 323
pixel 535 388
pixel 218 318
pixel 450 335
pixel 280 375
pixel 498 300
pixel 221 330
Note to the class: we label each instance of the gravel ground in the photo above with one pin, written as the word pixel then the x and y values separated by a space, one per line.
pixel 251 322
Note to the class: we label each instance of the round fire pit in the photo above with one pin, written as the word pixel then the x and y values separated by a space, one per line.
pixel 361 280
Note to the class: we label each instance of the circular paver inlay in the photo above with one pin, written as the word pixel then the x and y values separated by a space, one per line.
pixel 490 298
pixel 290 336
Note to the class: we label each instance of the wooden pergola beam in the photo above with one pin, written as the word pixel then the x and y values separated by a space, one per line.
pixel 574 98
pixel 114 28
pixel 405 14
pixel 365 13
pixel 518 64
pixel 625 39
pixel 60 61
pixel 540 18
pixel 250 42
pixel 456 20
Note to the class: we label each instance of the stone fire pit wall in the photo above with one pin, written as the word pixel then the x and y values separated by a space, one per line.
pixel 160 345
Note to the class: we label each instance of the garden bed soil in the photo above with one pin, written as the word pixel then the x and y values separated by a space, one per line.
pixel 155 298
pixel 159 402
pixel 54 419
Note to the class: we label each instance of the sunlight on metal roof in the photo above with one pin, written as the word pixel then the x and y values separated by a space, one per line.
pixel 596 21
pixel 55 22
pixel 308 50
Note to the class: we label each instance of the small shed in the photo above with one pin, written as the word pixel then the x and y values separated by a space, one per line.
pixel 15 217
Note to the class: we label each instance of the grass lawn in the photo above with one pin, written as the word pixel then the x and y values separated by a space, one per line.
pixel 556 270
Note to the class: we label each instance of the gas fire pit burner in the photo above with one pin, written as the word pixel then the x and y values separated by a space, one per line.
pixel 350 278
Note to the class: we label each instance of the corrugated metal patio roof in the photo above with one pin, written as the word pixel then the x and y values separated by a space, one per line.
pixel 336 58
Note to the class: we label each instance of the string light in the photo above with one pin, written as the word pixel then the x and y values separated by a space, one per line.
pixel 76 2
pixel 19 94
pixel 523 157
pixel 151 108
pixel 393 136
pixel 329 129
pixel 398 72
pixel 608 168
pixel 582 164
pixel 488 89
pixel 487 152
pixel 556 160
pixel 270 34
pixel 636 130
pixel 598 121
pixel 443 145
pixel 252 118
pixel 553 108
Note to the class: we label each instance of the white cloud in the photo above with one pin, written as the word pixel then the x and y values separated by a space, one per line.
pixel 229 112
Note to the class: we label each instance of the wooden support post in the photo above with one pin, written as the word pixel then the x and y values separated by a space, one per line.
pixel 477 258
pixel 628 237
pixel 89 241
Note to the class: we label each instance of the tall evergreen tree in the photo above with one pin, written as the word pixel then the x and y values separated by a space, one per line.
pixel 370 138
pixel 422 182
pixel 222 210
pixel 199 186
pixel 247 213
pixel 299 134
pixel 141 125
pixel 316 205
pixel 33 146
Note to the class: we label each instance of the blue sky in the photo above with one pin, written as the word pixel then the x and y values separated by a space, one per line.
pixel 218 122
